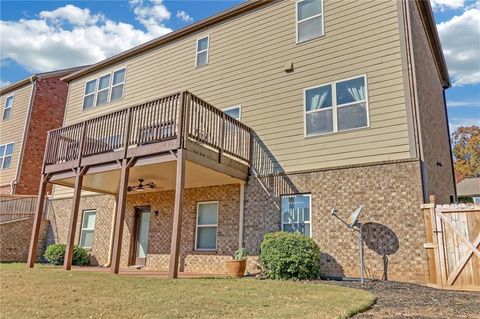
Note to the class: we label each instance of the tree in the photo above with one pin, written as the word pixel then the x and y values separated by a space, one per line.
pixel 466 152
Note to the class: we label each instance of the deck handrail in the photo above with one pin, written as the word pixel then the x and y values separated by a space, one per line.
pixel 182 116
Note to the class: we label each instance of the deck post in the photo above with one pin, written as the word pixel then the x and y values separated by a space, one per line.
pixel 39 209
pixel 120 215
pixel 177 215
pixel 77 193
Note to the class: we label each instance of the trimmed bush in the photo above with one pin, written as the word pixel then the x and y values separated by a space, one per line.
pixel 55 254
pixel 289 256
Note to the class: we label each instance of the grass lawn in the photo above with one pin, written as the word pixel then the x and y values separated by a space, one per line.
pixel 50 292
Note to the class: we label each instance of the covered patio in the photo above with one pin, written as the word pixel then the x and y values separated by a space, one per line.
pixel 172 143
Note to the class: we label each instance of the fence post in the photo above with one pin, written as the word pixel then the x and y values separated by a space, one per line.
pixel 222 138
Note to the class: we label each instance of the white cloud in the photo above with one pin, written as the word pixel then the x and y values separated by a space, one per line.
pixel 455 123
pixel 71 14
pixel 185 17
pixel 4 83
pixel 447 4
pixel 466 103
pixel 460 37
pixel 151 15
pixel 71 36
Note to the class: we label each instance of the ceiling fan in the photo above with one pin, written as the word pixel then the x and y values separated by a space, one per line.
pixel 142 187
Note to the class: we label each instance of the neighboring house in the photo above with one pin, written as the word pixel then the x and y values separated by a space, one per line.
pixel 469 187
pixel 29 109
pixel 325 104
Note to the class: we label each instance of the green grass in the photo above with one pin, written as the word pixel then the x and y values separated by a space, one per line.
pixel 50 292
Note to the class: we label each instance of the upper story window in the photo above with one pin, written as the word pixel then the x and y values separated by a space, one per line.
pixel 202 51
pixel 234 111
pixel 105 89
pixel 6 153
pixel 296 211
pixel 88 226
pixel 338 106
pixel 7 108
pixel 309 19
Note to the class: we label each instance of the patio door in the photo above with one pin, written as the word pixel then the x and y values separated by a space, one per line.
pixel 142 225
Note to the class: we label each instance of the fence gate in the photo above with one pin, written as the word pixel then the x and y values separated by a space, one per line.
pixel 452 243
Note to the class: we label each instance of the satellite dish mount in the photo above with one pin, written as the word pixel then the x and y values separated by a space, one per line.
pixel 354 224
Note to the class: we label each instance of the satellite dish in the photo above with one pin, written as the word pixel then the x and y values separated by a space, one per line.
pixel 354 218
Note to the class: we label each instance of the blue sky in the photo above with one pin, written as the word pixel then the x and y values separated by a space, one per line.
pixel 39 36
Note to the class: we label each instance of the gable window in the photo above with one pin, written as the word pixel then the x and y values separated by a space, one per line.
pixel 207 218
pixel 105 89
pixel 234 111
pixel 7 108
pixel 309 19
pixel 88 226
pixel 6 153
pixel 335 107
pixel 202 51
pixel 296 213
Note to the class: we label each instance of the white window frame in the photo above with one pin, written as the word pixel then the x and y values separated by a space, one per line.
pixel 97 84
pixel 10 108
pixel 207 225
pixel 82 229
pixel 239 107
pixel 98 90
pixel 334 107
pixel 120 83
pixel 3 156
pixel 310 208
pixel 297 22
pixel 206 50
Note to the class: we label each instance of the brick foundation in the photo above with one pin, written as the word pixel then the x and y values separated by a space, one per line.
pixel 391 193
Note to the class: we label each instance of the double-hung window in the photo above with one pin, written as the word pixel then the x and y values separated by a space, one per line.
pixel 88 226
pixel 234 111
pixel 202 51
pixel 6 153
pixel 296 211
pixel 107 88
pixel 7 108
pixel 309 19
pixel 207 219
pixel 337 106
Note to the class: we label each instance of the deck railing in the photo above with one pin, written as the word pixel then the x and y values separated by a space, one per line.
pixel 182 116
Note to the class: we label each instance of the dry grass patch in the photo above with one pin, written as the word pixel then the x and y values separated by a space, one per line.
pixel 49 292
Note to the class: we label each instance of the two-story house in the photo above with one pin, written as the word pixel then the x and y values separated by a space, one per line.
pixel 261 118
pixel 29 109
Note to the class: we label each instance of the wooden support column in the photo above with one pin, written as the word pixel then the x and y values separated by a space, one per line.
pixel 120 215
pixel 177 215
pixel 37 222
pixel 77 193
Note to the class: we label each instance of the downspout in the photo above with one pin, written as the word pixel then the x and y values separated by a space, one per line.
pixel 112 231
pixel 455 199
pixel 411 65
pixel 13 184
pixel 242 214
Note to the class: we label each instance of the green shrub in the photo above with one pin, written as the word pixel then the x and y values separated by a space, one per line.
pixel 240 254
pixel 289 256
pixel 55 254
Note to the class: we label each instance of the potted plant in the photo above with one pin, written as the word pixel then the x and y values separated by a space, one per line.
pixel 237 266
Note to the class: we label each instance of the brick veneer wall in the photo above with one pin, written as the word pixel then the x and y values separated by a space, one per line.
pixel 432 115
pixel 46 114
pixel 392 195
pixel 59 212
pixel 15 239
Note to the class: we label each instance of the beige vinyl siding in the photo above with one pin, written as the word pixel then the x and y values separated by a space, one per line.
pixel 12 130
pixel 247 58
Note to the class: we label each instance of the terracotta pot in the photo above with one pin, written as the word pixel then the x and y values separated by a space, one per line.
pixel 236 268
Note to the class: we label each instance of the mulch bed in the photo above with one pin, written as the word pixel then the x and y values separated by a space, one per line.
pixel 405 300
